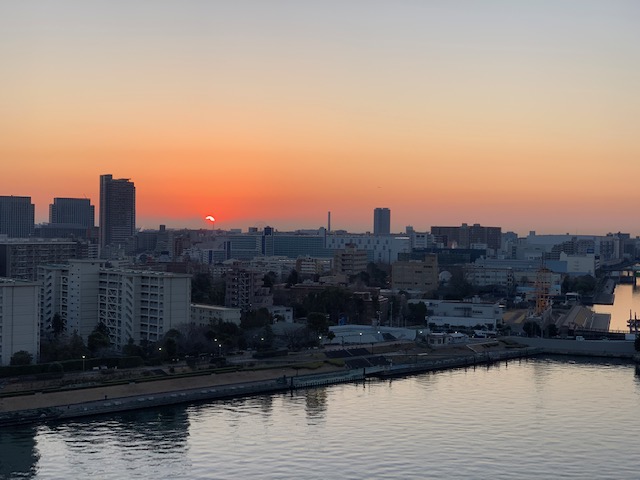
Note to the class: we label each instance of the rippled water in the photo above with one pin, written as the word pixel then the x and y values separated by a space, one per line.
pixel 543 418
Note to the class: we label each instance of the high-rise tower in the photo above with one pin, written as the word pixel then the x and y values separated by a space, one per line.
pixel 117 210
pixel 381 221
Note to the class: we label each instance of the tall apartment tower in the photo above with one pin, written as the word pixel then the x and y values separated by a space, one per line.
pixel 117 210
pixel 17 216
pixel 381 221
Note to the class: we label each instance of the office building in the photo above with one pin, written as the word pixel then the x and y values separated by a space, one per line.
pixel 19 318
pixel 117 211
pixel 17 216
pixel 381 221
pixel 72 211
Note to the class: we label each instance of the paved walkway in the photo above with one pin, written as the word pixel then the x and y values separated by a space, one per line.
pixel 70 397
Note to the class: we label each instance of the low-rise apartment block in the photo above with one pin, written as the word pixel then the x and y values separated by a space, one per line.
pixel 204 315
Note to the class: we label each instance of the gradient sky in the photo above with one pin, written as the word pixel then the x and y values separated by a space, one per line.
pixel 517 114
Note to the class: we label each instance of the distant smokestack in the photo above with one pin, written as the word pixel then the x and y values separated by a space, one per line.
pixel 328 222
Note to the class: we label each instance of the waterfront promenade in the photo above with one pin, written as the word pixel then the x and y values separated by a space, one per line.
pixel 88 397
pixel 82 400
pixel 74 396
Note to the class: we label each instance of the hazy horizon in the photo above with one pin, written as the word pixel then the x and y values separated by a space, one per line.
pixel 511 114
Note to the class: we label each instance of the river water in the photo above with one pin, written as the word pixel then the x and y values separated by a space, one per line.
pixel 538 418
pixel 626 301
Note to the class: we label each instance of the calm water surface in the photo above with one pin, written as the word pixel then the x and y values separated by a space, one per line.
pixel 543 418
pixel 627 299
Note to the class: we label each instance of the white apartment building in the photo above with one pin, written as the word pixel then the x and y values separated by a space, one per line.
pixel 19 318
pixel 204 315
pixel 142 305
pixel 71 291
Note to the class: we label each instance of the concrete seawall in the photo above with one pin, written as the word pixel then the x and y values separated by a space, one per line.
pixel 592 348
pixel 457 362
pixel 158 399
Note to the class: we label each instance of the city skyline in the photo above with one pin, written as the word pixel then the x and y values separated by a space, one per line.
pixel 519 116
pixel 206 223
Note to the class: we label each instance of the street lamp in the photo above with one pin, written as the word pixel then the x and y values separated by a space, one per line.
pixel 219 349
pixel 83 357
pixel 360 338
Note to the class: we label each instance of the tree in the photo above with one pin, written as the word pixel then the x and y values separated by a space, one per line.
pixel 378 275
pixel 417 313
pixel 21 357
pixel 583 284
pixel 77 347
pixel 318 323
pixel 98 339
pixel 269 279
pixel 255 318
pixel 170 348
pixel 293 278
pixel 205 290
pixel 460 287
pixel 57 325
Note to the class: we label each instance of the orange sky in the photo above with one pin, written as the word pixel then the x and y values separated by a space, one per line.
pixel 520 116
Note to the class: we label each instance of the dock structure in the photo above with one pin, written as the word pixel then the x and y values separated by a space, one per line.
pixel 630 275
